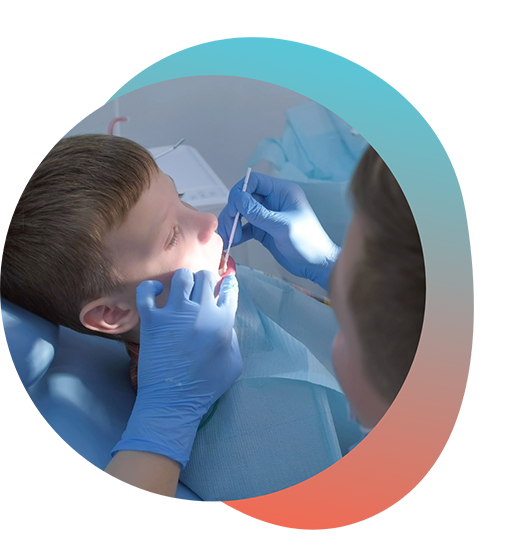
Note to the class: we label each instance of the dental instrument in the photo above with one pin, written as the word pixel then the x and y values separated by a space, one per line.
pixel 236 220
pixel 170 149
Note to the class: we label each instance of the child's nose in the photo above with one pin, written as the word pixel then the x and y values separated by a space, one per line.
pixel 208 225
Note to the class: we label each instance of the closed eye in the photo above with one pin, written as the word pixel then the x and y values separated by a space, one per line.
pixel 175 234
pixel 174 238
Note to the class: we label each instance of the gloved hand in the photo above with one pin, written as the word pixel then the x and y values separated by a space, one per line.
pixel 280 217
pixel 189 356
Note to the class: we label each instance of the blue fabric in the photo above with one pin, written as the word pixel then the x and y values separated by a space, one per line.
pixel 285 419
pixel 32 342
pixel 318 151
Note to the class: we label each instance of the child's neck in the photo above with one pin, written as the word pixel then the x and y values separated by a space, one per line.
pixel 132 336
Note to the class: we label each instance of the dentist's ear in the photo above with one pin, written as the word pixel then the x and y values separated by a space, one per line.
pixel 107 315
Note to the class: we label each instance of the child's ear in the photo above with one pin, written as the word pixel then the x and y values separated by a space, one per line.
pixel 109 316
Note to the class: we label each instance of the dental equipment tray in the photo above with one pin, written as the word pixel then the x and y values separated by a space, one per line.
pixel 193 178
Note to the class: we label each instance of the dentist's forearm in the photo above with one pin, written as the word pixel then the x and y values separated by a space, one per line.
pixel 149 471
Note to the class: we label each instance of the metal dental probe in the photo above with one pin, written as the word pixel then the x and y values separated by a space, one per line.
pixel 236 220
pixel 170 149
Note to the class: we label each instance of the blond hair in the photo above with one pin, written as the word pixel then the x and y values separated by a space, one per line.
pixel 54 260
pixel 387 295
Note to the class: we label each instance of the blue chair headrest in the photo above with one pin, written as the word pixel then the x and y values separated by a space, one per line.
pixel 32 342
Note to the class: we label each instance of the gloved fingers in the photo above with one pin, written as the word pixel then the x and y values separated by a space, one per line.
pixel 261 184
pixel 146 294
pixel 250 232
pixel 228 212
pixel 255 213
pixel 263 200
pixel 225 226
pixel 203 291
pixel 224 230
pixel 275 194
pixel 181 288
pixel 229 298
pixel 243 233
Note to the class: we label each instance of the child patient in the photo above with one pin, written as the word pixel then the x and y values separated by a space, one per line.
pixel 159 235
pixel 97 218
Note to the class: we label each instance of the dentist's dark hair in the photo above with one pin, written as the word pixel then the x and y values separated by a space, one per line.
pixel 54 259
pixel 388 290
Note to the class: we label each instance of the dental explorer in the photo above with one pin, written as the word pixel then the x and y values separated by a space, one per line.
pixel 236 220
pixel 170 149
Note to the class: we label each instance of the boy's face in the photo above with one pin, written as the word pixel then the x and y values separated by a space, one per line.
pixel 366 403
pixel 160 235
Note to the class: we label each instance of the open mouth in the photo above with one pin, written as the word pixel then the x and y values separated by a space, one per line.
pixel 230 270
pixel 230 267
pixel 221 263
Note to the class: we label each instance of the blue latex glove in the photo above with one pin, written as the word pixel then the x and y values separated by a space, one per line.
pixel 189 356
pixel 281 218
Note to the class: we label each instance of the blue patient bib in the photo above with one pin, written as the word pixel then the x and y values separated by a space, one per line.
pixel 285 419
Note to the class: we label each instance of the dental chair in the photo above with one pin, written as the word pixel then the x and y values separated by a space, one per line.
pixel 79 383
pixel 68 396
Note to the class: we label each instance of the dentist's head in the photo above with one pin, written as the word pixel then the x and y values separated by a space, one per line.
pixel 378 292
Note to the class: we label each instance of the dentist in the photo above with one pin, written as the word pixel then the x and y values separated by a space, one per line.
pixel 376 284
pixel 376 281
